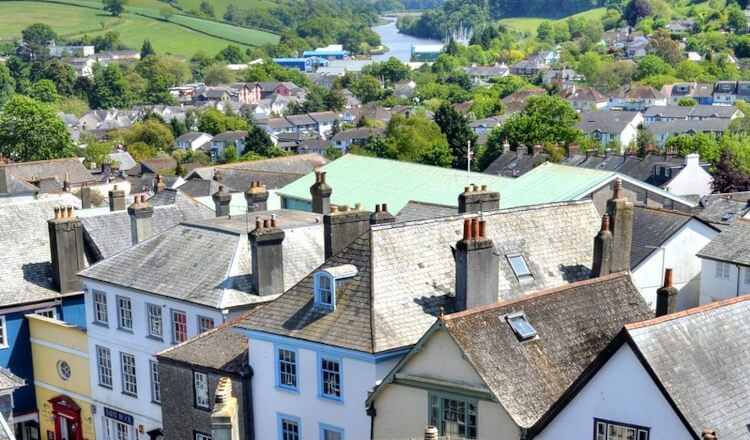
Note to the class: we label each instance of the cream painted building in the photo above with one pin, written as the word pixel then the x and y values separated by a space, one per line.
pixel 494 371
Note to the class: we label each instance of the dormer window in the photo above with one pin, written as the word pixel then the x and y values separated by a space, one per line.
pixel 328 280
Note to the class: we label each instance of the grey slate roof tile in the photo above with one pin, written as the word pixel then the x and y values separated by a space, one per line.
pixel 56 168
pixel 25 268
pixel 573 323
pixel 209 263
pixel 651 228
pixel 700 357
pixel 222 349
pixel 416 210
pixel 406 272
pixel 731 245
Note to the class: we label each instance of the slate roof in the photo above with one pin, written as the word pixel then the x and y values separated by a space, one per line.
pixel 278 123
pixel 732 245
pixel 702 111
pixel 158 164
pixel 230 136
pixel 642 168
pixel 300 120
pixel 700 358
pixel 109 233
pixel 124 160
pixel 57 168
pixel 573 323
pixel 198 187
pixel 167 264
pixel 608 162
pixel 511 164
pixel 679 126
pixel 583 94
pixel 633 91
pixel 190 136
pixel 222 349
pixel 25 268
pixel 406 272
pixel 605 121
pixel 723 208
pixel 651 228
pixel 298 165
pixel 356 134
pixel 416 210
pixel 16 185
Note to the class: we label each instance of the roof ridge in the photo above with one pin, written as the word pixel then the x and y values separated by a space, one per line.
pixel 688 312
pixel 59 159
pixel 540 293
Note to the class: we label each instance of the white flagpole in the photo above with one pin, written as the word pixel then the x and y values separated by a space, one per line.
pixel 468 158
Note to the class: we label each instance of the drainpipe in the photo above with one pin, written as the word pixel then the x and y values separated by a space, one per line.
pixel 738 279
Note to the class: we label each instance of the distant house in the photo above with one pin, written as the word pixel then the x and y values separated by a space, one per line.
pixel 405 89
pixel 584 98
pixel 516 163
pixel 486 125
pixel 725 92
pixel 344 140
pixel 324 121
pixel 486 73
pixel 516 101
pixel 636 46
pixel 611 126
pixel 277 125
pixel 691 113
pixel 651 381
pixel 679 175
pixel 192 140
pixel 331 52
pixel 528 67
pixel 426 52
pixel 665 129
pixel 222 140
pixel 562 78
pixel 636 97
pixel 70 51
pixel 302 123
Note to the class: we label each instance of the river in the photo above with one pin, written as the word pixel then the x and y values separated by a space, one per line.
pixel 398 43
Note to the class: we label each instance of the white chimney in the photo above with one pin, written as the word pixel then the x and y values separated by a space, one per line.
pixel 692 160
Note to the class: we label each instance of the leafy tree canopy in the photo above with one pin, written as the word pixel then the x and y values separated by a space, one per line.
pixel 30 130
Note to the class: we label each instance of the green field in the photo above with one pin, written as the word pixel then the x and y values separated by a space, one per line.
pixel 143 19
pixel 528 25
pixel 220 6
pixel 166 37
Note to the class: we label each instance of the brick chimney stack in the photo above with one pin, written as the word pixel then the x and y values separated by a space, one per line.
pixel 381 215
pixel 85 196
pixel 620 212
pixel 666 296
pixel 141 213
pixel 475 199
pixel 225 414
pixel 602 250
pixel 268 257
pixel 321 194
pixel 66 249
pixel 221 198
pixel 342 226
pixel 116 199
pixel 256 197
pixel 476 267
pixel 159 184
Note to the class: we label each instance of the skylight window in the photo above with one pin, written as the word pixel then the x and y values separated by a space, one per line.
pixel 520 268
pixel 521 326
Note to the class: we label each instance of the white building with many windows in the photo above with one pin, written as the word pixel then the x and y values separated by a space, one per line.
pixel 172 287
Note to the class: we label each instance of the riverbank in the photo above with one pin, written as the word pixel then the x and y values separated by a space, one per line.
pixel 399 45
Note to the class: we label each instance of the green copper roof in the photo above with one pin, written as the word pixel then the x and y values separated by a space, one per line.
pixel 368 180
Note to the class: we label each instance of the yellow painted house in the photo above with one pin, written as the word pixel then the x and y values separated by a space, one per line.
pixel 61 379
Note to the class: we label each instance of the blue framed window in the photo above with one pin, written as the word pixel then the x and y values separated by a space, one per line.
pixel 325 290
pixel 289 427
pixel 286 368
pixel 328 432
pixel 330 377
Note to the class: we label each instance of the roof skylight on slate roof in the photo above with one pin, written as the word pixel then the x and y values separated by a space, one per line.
pixel 520 268
pixel 520 325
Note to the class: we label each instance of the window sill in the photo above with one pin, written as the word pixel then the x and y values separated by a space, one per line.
pixel 125 330
pixel 106 387
pixel 101 324
pixel 155 338
pixel 134 396
pixel 202 408
pixel 337 400
pixel 155 402
pixel 287 389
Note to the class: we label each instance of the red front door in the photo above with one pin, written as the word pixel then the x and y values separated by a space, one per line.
pixel 67 418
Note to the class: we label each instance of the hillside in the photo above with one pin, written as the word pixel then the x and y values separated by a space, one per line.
pixel 144 19
pixel 529 25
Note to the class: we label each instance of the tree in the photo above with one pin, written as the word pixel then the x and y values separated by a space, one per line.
pixel 455 127
pixel 333 153
pixel 45 91
pixel 663 46
pixel 545 32
pixel 644 140
pixel 30 130
pixel 736 19
pixel 229 154
pixel 114 7
pixel 367 88
pixel 651 65
pixel 334 100
pixel 37 37
pixel 635 10
pixel 109 89
pixel 147 49
pixel 213 121
pixel 232 55
pixel 207 9
pixel 687 102
pixel 151 132
pixel 727 178
pixel 217 74
pixel 158 80
pixel 229 13
pixel 62 75
pixel 141 151
pixel 96 151
pixel 259 142
pixel 545 119
pixel 702 143
pixel 417 139
pixel 7 84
